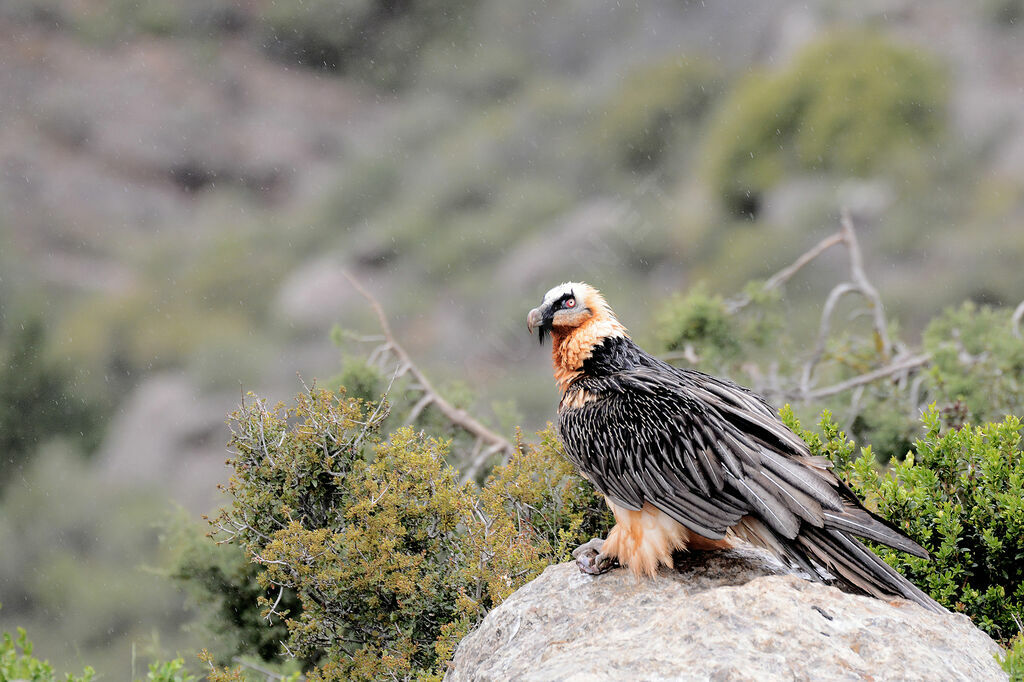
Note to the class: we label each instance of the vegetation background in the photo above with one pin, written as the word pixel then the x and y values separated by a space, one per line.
pixel 184 184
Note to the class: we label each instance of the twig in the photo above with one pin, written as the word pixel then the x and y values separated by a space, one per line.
pixel 456 416
pixel 273 609
pixel 784 275
pixel 478 462
pixel 889 370
pixel 901 362
pixel 837 293
pixel 862 282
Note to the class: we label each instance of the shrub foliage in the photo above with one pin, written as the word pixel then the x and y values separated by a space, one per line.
pixel 960 494
pixel 829 111
pixel 392 558
pixel 17 662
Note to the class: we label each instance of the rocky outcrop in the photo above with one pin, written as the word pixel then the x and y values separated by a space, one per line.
pixel 734 615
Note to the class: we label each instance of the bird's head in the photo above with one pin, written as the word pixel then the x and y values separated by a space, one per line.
pixel 574 309
pixel 565 307
pixel 578 319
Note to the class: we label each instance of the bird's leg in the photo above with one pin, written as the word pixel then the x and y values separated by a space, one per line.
pixel 590 559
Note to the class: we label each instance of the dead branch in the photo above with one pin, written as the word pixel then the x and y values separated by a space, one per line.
pixel 901 363
pixel 478 461
pixel 824 325
pixel 896 368
pixel 458 417
pixel 864 284
pixel 733 306
pixel 859 284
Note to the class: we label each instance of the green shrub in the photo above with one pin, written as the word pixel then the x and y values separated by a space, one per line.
pixel 852 103
pixel 700 320
pixel 17 662
pixel 978 364
pixel 38 400
pixel 960 494
pixel 1013 660
pixel 391 557
pixel 655 106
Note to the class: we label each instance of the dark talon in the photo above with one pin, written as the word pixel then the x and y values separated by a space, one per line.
pixel 590 559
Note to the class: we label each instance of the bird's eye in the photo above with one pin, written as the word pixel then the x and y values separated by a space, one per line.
pixel 571 303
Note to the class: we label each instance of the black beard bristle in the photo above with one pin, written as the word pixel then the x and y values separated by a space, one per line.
pixel 541 332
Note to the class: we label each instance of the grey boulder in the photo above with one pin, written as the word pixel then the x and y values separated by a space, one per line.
pixel 735 615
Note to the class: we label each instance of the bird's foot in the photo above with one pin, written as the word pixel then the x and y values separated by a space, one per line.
pixel 590 559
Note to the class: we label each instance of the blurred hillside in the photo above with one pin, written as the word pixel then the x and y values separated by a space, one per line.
pixel 183 184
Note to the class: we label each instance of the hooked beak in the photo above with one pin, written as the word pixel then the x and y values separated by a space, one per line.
pixel 535 319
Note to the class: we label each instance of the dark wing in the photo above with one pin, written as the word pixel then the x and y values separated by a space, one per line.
pixel 705 460
pixel 713 456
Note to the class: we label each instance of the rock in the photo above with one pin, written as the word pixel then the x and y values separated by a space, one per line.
pixel 170 435
pixel 735 615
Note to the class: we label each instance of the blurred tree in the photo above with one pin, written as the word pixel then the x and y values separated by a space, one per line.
pixel 377 39
pixel 222 584
pixel 37 398
pixel 657 107
pixel 851 103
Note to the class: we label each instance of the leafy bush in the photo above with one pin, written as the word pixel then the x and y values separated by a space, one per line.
pixel 17 662
pixel 1013 660
pixel 222 584
pixel 960 494
pixel 977 361
pixel 654 106
pixel 851 103
pixel 699 320
pixel 391 557
pixel 37 398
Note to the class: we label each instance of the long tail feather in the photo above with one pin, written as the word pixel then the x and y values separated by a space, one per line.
pixel 864 525
pixel 856 565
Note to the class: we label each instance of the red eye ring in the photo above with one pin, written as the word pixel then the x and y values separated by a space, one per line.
pixel 571 303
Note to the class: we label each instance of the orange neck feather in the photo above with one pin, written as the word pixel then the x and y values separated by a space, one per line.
pixel 569 349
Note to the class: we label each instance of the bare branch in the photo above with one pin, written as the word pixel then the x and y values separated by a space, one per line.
pixel 478 462
pixel 273 609
pixel 785 274
pixel 863 284
pixel 896 368
pixel 418 408
pixel 456 416
pixel 859 284
pixel 834 296
pixel 903 364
